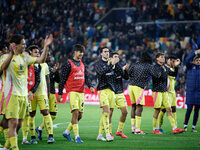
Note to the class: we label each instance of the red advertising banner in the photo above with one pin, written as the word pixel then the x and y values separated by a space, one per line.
pixel 93 99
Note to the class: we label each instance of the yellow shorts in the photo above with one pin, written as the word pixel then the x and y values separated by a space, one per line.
pixel 107 98
pixel 136 95
pixel 41 100
pixel 52 103
pixel 172 99
pixel 161 100
pixel 120 100
pixel 16 107
pixel 76 101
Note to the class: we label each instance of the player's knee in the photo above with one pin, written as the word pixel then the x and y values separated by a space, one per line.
pixel 32 114
pixel 13 123
pixel 45 112
pixel 80 116
pixel 168 109
pixel 133 106
pixel 125 112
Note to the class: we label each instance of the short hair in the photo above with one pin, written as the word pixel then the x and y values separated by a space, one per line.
pixel 114 53
pixel 78 47
pixel 101 49
pixel 16 38
pixel 160 54
pixel 30 48
pixel 146 58
pixel 172 57
pixel 197 56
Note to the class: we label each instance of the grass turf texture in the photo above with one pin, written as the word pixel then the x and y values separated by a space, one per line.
pixel 89 126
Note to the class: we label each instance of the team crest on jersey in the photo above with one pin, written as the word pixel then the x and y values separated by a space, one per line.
pixel 20 67
pixel 13 60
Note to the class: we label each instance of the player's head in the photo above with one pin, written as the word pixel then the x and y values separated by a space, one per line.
pixel 34 51
pixel 104 52
pixel 3 49
pixel 115 56
pixel 20 43
pixel 78 50
pixel 170 60
pixel 196 60
pixel 146 58
pixel 160 58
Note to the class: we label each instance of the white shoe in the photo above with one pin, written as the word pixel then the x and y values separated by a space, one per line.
pixel 194 130
pixel 101 138
pixel 109 138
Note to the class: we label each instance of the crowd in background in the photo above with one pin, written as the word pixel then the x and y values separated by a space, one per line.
pixel 72 22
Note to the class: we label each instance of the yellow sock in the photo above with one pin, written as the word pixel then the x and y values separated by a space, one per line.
pixel 138 122
pixel 110 128
pixel 172 121
pixel 174 116
pixel 101 127
pixel 106 123
pixel 25 127
pixel 53 117
pixel 13 142
pixel 48 124
pixel 160 118
pixel 69 127
pixel 6 136
pixel 32 126
pixel 1 130
pixel 133 122
pixel 42 125
pixel 120 126
pixel 154 123
pixel 75 129
pixel 46 130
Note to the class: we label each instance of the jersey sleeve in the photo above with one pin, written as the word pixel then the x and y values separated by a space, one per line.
pixel 29 59
pixel 2 59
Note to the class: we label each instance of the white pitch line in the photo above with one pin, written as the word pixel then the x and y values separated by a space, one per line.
pixel 58 124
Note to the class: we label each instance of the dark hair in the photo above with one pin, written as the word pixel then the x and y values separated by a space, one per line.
pixel 146 58
pixel 160 54
pixel 197 56
pixel 172 57
pixel 30 48
pixel 101 49
pixel 16 38
pixel 78 47
pixel 114 53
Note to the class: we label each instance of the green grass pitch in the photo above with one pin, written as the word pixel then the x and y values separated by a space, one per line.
pixel 88 128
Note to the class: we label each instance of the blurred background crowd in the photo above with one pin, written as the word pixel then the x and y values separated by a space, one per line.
pixel 127 26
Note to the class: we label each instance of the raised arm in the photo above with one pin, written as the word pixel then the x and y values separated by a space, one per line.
pixel 47 42
pixel 6 63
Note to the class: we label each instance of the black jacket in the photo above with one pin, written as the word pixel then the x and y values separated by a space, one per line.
pixel 139 74
pixel 119 75
pixel 160 84
pixel 105 75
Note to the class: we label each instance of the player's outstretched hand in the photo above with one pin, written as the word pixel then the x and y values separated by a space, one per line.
pixel 48 40
pixel 197 51
pixel 177 62
pixel 92 89
pixel 126 67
